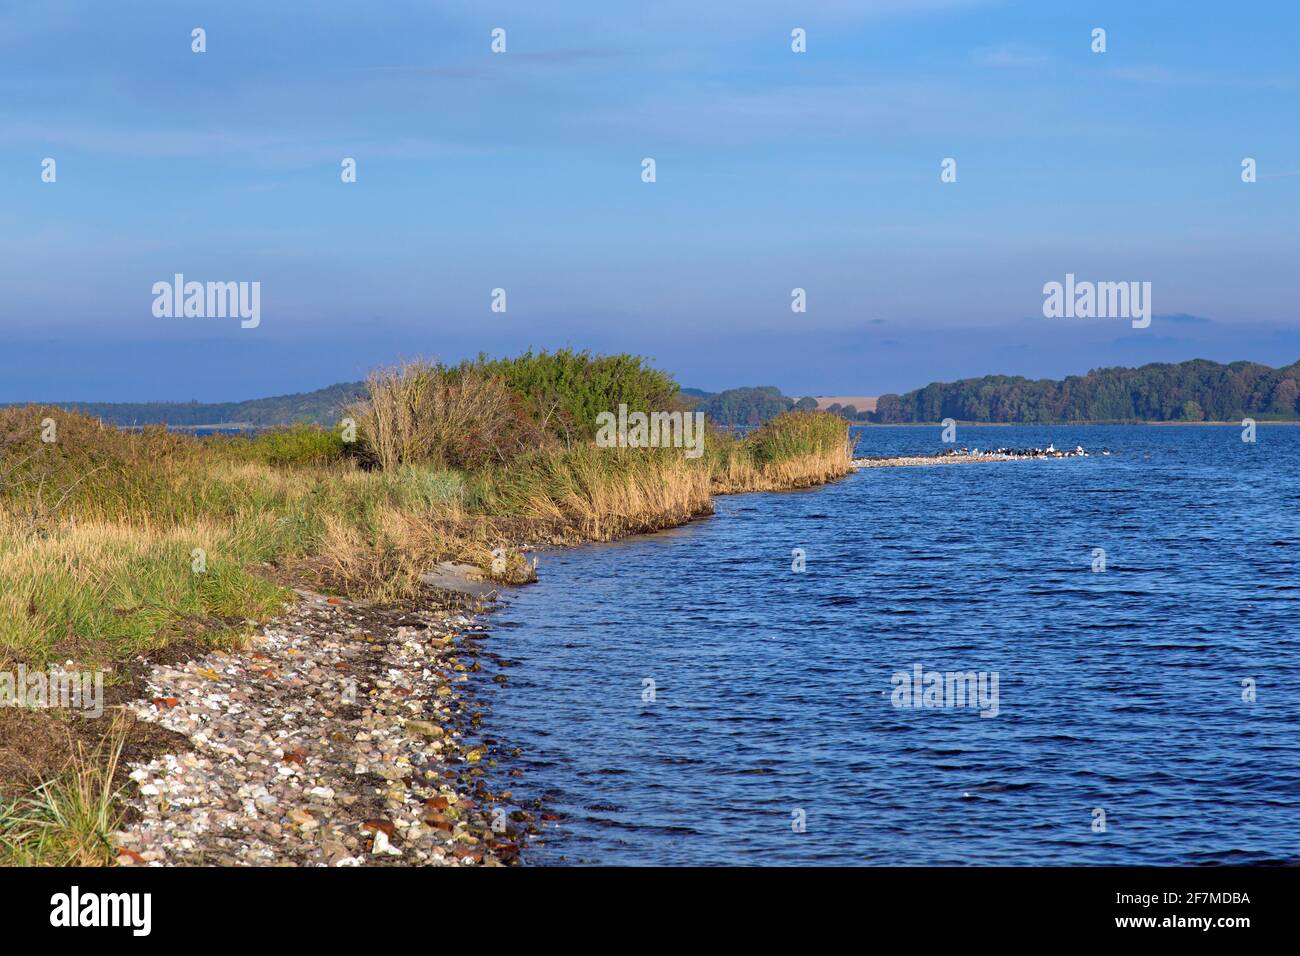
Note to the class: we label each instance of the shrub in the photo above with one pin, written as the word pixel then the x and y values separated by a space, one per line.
pixel 465 417
pixel 84 457
pixel 297 445
pixel 571 388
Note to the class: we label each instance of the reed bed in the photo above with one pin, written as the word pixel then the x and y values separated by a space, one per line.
pixel 794 450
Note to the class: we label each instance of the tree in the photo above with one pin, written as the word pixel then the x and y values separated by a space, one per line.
pixel 745 406
pixel 1285 396
pixel 1156 392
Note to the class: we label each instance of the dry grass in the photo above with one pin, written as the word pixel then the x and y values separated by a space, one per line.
pixel 794 450
pixel 115 544
pixel 739 473
pixel 67 820
pixel 597 494
pixel 451 418
pixel 97 551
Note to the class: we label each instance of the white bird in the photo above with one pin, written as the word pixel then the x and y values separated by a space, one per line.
pixel 1051 449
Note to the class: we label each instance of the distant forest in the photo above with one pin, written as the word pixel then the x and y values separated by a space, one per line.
pixel 744 406
pixel 1193 391
pixel 321 407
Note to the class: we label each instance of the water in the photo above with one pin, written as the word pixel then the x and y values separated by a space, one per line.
pixel 1119 690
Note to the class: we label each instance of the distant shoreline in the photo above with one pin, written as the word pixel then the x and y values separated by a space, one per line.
pixel 1235 424
pixel 249 426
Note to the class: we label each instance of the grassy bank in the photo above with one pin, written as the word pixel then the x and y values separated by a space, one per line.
pixel 793 450
pixel 115 543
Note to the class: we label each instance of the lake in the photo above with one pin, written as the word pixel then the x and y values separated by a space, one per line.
pixel 775 733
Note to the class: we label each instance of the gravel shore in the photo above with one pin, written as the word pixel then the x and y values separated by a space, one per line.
pixel 334 739
pixel 933 460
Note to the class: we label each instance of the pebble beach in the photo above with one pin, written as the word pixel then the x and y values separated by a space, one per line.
pixel 334 739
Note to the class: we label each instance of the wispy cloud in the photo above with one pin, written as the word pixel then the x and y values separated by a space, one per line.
pixel 470 70
pixel 1149 73
pixel 737 116
pixel 569 56
pixel 251 147
pixel 1008 55
pixel 1146 343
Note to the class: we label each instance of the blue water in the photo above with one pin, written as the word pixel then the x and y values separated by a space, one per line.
pixel 1119 691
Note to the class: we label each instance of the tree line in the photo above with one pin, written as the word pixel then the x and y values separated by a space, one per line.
pixel 1197 390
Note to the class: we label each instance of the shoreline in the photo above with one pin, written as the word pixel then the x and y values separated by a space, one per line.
pixel 305 795
pixel 907 461
pixel 231 735
pixel 897 461
pixel 348 731
pixel 334 739
pixel 387 780
pixel 1070 424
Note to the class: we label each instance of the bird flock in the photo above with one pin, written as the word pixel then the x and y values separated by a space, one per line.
pixel 1051 451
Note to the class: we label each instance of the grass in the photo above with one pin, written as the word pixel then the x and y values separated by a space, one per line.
pixel 462 417
pixel 586 493
pixel 67 820
pixel 793 450
pixel 116 543
pixel 103 558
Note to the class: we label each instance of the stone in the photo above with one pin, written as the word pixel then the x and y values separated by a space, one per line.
pixel 424 728
pixel 359 688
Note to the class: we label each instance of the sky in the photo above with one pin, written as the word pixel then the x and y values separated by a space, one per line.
pixel 522 171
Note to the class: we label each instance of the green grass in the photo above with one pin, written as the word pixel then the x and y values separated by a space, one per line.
pixel 297 445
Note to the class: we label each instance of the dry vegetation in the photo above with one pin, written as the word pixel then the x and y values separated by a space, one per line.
pixel 116 544
pixel 794 450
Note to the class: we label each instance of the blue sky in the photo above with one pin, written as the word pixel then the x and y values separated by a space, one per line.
pixel 522 171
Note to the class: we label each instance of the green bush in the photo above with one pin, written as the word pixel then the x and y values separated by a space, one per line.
pixel 569 389
pixel 297 445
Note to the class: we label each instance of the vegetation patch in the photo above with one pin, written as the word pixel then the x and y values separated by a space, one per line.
pixel 117 544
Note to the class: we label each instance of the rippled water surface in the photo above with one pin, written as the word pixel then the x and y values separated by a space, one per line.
pixel 1119 690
